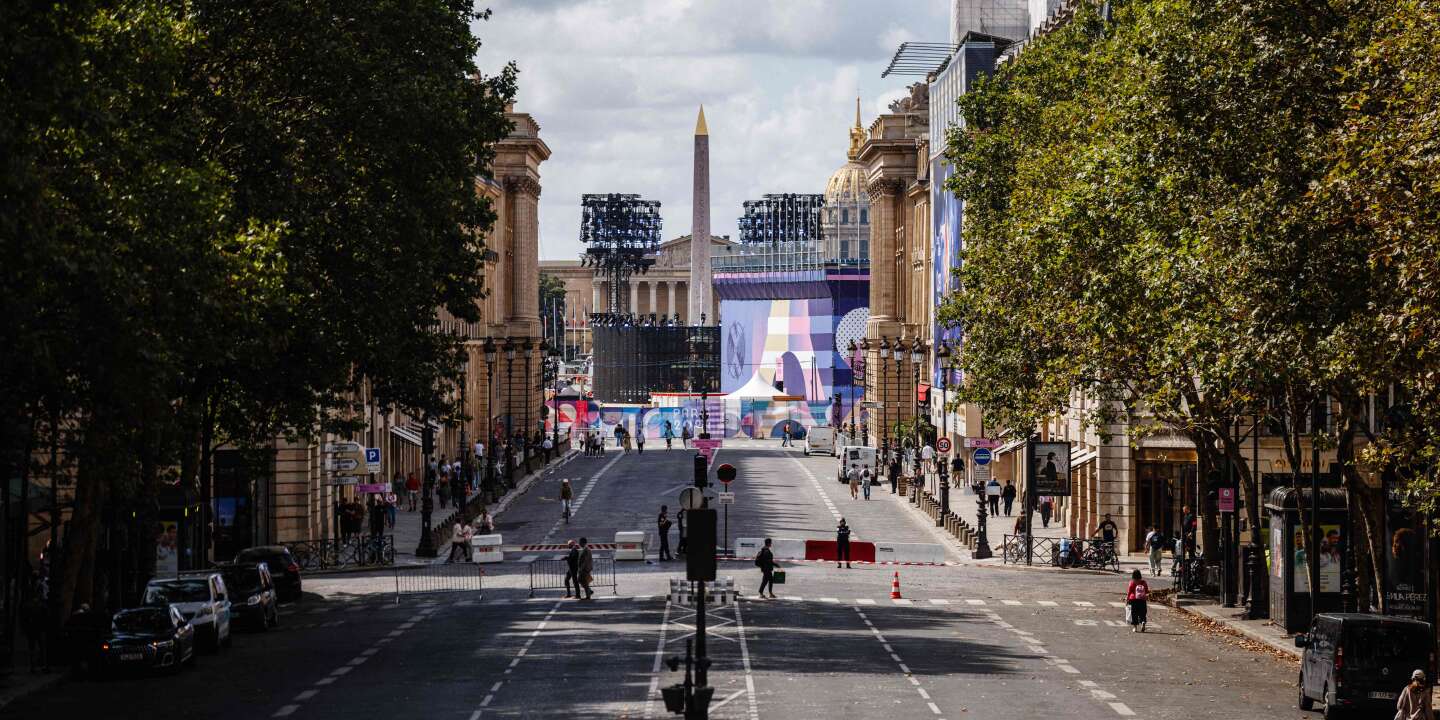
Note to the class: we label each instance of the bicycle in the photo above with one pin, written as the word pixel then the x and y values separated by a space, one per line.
pixel 1100 555
pixel 1013 549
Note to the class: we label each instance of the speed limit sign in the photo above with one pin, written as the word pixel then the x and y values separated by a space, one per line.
pixel 943 445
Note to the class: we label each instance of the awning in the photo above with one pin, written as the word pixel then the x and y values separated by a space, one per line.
pixel 921 391
pixel 1007 447
pixel 1079 456
pixel 406 434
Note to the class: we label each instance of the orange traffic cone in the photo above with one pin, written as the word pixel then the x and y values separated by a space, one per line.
pixel 895 587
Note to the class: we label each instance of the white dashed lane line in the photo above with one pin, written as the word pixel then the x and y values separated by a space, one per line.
pixel 580 498
pixel 900 663
pixel 524 649
pixel 358 660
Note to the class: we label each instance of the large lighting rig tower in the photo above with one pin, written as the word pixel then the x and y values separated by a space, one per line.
pixel 619 232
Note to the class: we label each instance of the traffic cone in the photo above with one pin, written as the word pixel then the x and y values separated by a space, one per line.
pixel 895 587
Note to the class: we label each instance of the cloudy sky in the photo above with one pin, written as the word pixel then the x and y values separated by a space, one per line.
pixel 615 85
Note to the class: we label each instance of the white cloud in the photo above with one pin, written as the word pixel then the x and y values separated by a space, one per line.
pixel 615 85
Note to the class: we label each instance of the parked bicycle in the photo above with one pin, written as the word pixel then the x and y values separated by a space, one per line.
pixel 1100 555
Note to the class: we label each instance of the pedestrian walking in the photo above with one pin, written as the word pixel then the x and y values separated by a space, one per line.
pixel 1155 544
pixel 412 489
pixel 785 437
pixel 640 441
pixel 669 434
pixel 842 544
pixel 484 524
pixel 685 435
pixel 566 495
pixel 865 481
pixel 459 542
pixel 1136 595
pixel 1414 702
pixel 625 440
pixel 662 528
pixel 854 477
pixel 1047 507
pixel 1008 496
pixel 585 569
pixel 442 490
pixel 894 473
pixel 765 560
pixel 992 493
pixel 572 570
pixel 549 447
pixel 391 503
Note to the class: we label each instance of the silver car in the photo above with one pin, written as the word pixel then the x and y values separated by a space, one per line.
pixel 202 599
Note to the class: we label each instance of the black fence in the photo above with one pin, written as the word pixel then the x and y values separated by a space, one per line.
pixel 549 574
pixel 1089 554
pixel 438 578
pixel 354 552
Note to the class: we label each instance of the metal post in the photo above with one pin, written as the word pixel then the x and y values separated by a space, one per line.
pixel 1228 521
pixel 1312 553
pixel 1252 563
pixel 427 504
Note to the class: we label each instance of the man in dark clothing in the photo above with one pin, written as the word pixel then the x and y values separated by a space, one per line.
pixel 1008 495
pixel 894 472
pixel 681 545
pixel 662 528
pixel 1107 529
pixel 572 569
pixel 765 560
pixel 377 518
pixel 842 544
pixel 584 567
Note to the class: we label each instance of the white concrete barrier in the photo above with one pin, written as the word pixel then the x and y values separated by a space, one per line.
pixel 486 549
pixel 748 547
pixel 787 548
pixel 909 552
pixel 630 545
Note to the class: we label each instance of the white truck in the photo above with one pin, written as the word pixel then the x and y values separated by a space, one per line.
pixel 820 439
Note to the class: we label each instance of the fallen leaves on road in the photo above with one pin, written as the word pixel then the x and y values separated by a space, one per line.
pixel 1233 637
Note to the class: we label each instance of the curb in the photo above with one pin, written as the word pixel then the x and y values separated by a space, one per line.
pixel 1247 632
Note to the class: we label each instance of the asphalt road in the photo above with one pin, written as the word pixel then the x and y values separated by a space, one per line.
pixel 965 641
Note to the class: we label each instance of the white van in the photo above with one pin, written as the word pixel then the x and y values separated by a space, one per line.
pixel 858 455
pixel 820 439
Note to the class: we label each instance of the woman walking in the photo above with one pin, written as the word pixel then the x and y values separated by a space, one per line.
pixel 1136 595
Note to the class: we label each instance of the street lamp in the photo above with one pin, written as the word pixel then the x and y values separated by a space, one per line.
pixel 884 397
pixel 529 354
pixel 489 350
pixel 865 375
pixel 942 355
pixel 509 415
pixel 855 377
pixel 555 411
pixel 464 454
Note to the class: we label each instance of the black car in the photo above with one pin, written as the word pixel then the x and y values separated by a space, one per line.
pixel 154 638
pixel 283 568
pixel 1361 662
pixel 254 601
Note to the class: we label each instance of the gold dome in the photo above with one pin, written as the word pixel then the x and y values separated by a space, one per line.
pixel 847 185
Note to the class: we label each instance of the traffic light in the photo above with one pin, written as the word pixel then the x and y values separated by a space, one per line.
pixel 700 544
pixel 427 444
pixel 702 473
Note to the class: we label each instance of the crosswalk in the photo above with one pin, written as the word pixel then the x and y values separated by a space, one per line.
pixel 829 600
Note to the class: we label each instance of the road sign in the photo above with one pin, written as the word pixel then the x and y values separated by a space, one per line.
pixel 692 498
pixel 983 456
pixel 981 443
pixel 943 445
pixel 1227 500
pixel 725 473
pixel 372 460
pixel 342 464
pixel 980 474
pixel 726 498
pixel 347 480
pixel 707 446
pixel 343 447
pixel 372 487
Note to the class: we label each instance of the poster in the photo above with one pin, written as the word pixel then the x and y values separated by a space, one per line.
pixel 1405 591
pixel 1330 558
pixel 1050 473
pixel 166 545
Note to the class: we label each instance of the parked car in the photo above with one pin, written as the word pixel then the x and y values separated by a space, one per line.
pixel 201 598
pixel 153 638
pixel 861 455
pixel 283 568
pixel 820 439
pixel 256 604
pixel 1361 662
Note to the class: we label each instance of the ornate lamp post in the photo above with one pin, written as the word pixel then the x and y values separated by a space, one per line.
pixel 855 377
pixel 555 411
pixel 464 454
pixel 942 355
pixel 864 417
pixel 917 354
pixel 884 399
pixel 509 415
pixel 489 469
pixel 427 504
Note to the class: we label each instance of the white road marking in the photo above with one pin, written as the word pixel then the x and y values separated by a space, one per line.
pixel 939 601
pixel 792 597
pixel 655 666
pixel 1102 695
pixel 1011 602
pixel 1116 604
pixel 306 695
pixel 745 663
pixel 905 668
pixel 496 686
pixel 359 660
pixel 829 599
pixel 1121 708
pixel 902 601
pixel 370 651
pixel 325 681
pixel 1084 603
pixel 337 672
pixel 1049 603
pixel 865 601
pixel 973 601
pixel 933 709
pixel 286 710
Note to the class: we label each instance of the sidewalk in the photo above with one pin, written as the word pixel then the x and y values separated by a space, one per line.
pixel 407 523
pixel 18 681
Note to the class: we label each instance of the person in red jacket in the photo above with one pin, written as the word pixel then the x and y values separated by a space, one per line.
pixel 1136 595
pixel 412 488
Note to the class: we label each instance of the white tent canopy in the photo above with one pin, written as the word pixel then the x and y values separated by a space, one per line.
pixel 756 389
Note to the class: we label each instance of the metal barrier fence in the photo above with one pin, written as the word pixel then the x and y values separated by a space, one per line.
pixel 438 578
pixel 355 551
pixel 1091 554
pixel 549 574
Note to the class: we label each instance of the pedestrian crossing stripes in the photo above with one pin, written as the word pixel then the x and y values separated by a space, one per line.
pixel 937 602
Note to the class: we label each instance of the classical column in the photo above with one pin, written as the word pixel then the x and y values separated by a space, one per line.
pixel 594 295
pixel 670 297
pixel 634 297
pixel 882 320
pixel 652 284
pixel 525 290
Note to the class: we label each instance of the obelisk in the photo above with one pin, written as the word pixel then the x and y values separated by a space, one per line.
pixel 700 228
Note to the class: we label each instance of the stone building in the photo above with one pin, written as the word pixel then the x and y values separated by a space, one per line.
pixel 896 159
pixel 845 221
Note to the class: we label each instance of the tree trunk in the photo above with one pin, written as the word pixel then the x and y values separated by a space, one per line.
pixel 1366 518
